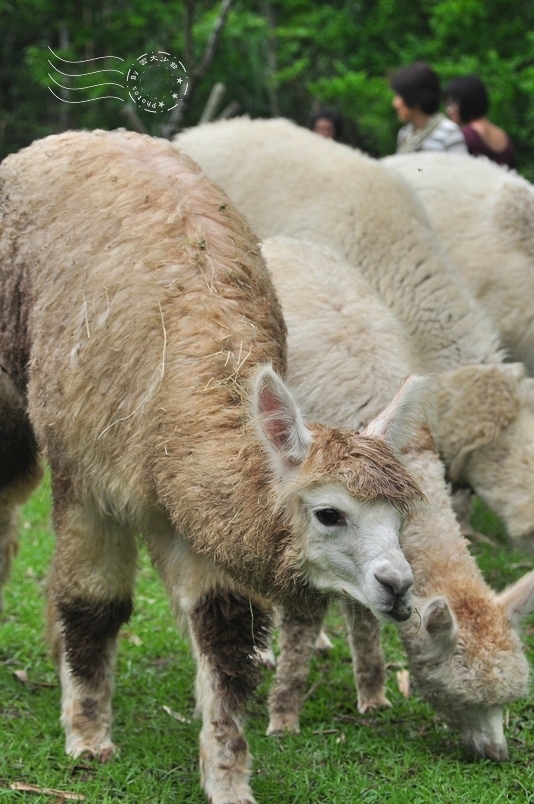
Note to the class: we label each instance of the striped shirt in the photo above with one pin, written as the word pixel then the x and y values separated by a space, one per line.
pixel 439 134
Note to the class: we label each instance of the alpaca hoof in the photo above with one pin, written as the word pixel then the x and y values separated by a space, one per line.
pixel 106 754
pixel 102 754
pixel 280 727
pixel 373 702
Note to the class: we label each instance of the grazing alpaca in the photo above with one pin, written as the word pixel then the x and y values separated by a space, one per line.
pixel 465 653
pixel 288 181
pixel 137 327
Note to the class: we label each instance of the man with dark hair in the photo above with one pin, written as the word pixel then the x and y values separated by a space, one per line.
pixel 467 104
pixel 417 99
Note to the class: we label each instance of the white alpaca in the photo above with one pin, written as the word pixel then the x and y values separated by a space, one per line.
pixel 484 216
pixel 319 190
pixel 137 327
pixel 346 353
pixel 289 181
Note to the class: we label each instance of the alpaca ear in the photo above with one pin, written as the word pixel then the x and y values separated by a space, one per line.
pixel 518 599
pixel 279 421
pixel 438 620
pixel 406 413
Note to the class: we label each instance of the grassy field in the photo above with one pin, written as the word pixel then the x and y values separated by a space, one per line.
pixel 397 756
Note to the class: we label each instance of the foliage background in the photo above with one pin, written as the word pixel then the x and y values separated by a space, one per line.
pixel 274 57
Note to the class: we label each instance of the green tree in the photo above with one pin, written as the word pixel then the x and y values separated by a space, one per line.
pixel 274 57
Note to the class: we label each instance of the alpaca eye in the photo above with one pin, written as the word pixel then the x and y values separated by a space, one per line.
pixel 329 516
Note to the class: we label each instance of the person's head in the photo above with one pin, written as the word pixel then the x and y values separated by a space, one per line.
pixel 327 123
pixel 466 99
pixel 416 87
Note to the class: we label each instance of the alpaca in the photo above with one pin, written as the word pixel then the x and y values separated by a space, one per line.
pixel 15 483
pixel 365 212
pixel 483 215
pixel 142 348
pixel 465 656
pixel 321 190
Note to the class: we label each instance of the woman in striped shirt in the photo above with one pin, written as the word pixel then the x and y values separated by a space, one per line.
pixel 417 100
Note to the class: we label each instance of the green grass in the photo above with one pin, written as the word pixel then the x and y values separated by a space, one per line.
pixel 393 757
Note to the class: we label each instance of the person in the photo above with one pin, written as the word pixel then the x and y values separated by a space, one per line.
pixel 417 101
pixel 467 103
pixel 327 123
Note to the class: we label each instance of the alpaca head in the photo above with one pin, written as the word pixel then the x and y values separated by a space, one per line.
pixel 468 663
pixel 343 495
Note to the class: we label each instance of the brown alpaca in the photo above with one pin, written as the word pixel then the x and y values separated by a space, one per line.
pixel 138 327
pixel 465 652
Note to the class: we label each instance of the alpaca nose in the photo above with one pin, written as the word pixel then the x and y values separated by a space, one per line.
pixel 396 584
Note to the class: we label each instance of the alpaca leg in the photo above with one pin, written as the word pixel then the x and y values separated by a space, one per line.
pixel 20 470
pixel 228 630
pixel 297 645
pixel 12 497
pixel 368 661
pixel 90 597
pixel 267 656
pixel 462 504
pixel 9 522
